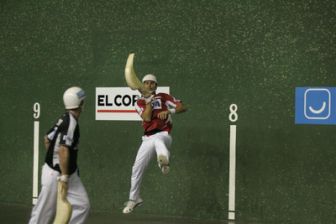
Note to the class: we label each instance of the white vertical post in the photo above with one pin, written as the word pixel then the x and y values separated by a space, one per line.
pixel 36 115
pixel 36 161
pixel 232 173
pixel 233 117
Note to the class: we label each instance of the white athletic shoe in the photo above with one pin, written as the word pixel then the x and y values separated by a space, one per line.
pixel 130 205
pixel 163 164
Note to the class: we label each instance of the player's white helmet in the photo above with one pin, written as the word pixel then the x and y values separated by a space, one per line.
pixel 149 77
pixel 73 97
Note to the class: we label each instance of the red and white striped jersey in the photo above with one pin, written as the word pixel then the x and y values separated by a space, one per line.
pixel 161 102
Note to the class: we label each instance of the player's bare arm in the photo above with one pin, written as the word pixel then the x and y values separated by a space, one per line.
pixel 64 159
pixel 180 108
pixel 46 142
pixel 147 113
pixel 64 155
pixel 64 164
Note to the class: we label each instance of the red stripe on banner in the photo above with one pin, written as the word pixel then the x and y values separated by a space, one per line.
pixel 116 111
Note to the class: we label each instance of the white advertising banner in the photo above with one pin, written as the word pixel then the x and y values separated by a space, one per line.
pixel 118 103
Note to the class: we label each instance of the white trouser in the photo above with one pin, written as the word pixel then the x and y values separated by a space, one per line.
pixel 45 208
pixel 159 143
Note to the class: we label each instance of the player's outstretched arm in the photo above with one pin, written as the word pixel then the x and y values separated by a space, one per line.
pixel 180 108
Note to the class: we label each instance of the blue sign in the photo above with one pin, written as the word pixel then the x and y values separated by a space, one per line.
pixel 315 105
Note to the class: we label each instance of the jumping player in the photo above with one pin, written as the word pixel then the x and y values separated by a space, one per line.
pixel 61 143
pixel 155 110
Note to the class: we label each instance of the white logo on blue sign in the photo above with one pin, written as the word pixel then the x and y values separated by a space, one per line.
pixel 315 105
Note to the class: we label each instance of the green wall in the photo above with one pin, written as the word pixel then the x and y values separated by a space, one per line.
pixel 211 53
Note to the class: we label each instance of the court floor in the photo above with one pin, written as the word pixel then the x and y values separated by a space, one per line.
pixel 18 214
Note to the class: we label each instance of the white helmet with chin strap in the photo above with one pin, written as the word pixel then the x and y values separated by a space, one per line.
pixel 73 97
pixel 149 77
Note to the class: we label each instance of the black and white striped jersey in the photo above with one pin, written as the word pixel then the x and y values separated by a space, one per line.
pixel 64 132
